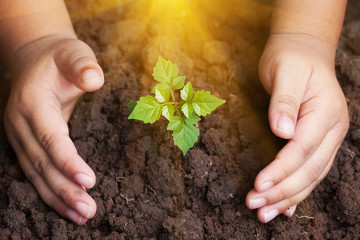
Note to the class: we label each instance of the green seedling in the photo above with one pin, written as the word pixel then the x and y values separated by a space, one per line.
pixel 182 115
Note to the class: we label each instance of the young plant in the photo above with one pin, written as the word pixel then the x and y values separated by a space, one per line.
pixel 182 115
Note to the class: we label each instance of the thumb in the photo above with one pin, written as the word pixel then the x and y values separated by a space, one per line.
pixel 77 62
pixel 285 102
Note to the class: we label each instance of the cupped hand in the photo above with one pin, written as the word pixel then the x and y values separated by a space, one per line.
pixel 307 107
pixel 48 76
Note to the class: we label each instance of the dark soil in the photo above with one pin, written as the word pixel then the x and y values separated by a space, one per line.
pixel 145 188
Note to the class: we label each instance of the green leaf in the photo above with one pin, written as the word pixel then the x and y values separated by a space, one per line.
pixel 204 103
pixel 187 92
pixel 147 109
pixel 131 105
pixel 193 119
pixel 168 111
pixel 175 124
pixel 187 109
pixel 164 86
pixel 162 95
pixel 178 82
pixel 165 71
pixel 185 137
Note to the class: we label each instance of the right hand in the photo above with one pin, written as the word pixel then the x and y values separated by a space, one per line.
pixel 307 107
pixel 48 77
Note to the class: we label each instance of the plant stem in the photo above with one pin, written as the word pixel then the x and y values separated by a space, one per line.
pixel 175 103
pixel 172 95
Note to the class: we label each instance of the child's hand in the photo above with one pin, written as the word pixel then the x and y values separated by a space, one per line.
pixel 48 76
pixel 308 107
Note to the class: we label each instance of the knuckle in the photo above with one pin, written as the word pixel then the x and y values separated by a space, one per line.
pixel 40 164
pixel 61 192
pixel 288 103
pixel 66 163
pixel 47 140
pixel 80 62
pixel 306 149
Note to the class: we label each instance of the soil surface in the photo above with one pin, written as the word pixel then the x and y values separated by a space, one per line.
pixel 145 188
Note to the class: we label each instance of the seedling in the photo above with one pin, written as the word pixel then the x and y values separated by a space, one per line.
pixel 182 115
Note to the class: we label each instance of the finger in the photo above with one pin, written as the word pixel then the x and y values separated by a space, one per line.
pixel 41 186
pixel 78 63
pixel 53 136
pixel 301 179
pixel 311 130
pixel 268 213
pixel 72 194
pixel 286 97
pixel 47 194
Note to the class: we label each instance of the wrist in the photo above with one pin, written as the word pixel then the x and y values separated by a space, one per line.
pixel 23 22
pixel 308 44
pixel 320 19
pixel 31 51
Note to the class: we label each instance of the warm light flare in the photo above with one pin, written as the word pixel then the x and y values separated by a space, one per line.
pixel 177 27
pixel 211 41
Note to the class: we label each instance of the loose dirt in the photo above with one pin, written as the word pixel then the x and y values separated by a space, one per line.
pixel 145 188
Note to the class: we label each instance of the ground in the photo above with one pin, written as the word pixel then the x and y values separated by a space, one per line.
pixel 145 188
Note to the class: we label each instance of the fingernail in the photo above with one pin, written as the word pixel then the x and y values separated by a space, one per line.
pixel 266 186
pixel 271 215
pixel 285 125
pixel 91 75
pixel 73 216
pixel 290 211
pixel 257 203
pixel 84 180
pixel 83 209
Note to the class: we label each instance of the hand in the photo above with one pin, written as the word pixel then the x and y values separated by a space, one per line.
pixel 48 76
pixel 307 107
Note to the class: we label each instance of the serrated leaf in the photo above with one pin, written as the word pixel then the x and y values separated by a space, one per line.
pixel 131 105
pixel 187 109
pixel 147 110
pixel 185 137
pixel 165 71
pixel 187 92
pixel 175 124
pixel 168 111
pixel 204 103
pixel 178 82
pixel 193 119
pixel 162 95
pixel 164 86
